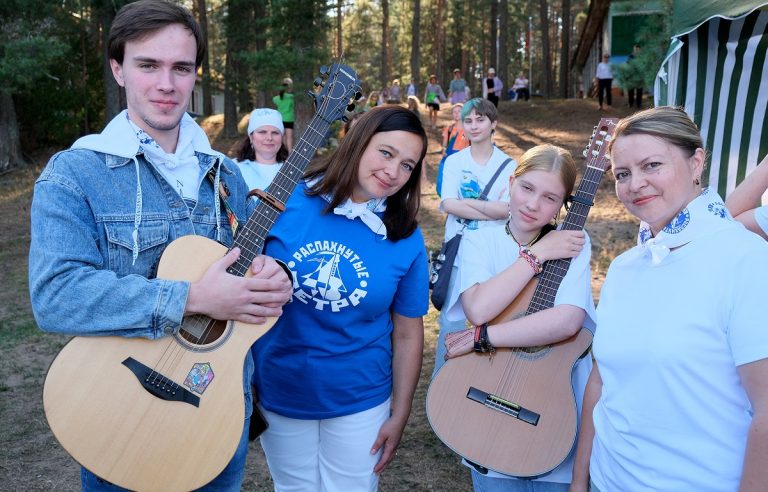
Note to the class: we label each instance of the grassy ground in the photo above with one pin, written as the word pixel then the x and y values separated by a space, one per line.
pixel 33 461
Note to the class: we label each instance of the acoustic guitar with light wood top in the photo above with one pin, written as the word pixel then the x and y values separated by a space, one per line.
pixel 167 414
pixel 515 412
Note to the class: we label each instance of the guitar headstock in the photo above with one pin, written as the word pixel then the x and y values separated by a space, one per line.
pixel 336 89
pixel 596 152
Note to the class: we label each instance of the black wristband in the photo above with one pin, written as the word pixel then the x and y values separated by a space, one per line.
pixel 482 344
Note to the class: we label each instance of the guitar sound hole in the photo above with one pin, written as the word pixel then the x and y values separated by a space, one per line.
pixel 202 333
pixel 533 353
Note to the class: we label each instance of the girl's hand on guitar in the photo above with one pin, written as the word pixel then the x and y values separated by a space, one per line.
pixel 459 343
pixel 559 244
pixel 252 300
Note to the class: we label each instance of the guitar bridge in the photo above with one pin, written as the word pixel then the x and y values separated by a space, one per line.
pixel 158 385
pixel 504 406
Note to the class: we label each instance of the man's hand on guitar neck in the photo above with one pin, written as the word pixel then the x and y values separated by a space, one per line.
pixel 221 295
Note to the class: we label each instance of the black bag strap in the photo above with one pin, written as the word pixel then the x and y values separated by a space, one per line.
pixel 484 194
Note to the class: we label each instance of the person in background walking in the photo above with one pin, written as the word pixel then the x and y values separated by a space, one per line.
pixel 411 90
pixel 492 86
pixel 454 140
pixel 457 90
pixel 604 77
pixel 433 94
pixel 394 93
pixel 284 103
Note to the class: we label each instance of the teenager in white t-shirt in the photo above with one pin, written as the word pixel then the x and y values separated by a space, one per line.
pixel 743 202
pixel 262 152
pixel 465 176
pixel 498 262
pixel 678 396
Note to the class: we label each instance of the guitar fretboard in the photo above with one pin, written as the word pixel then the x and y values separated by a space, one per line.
pixel 554 270
pixel 252 235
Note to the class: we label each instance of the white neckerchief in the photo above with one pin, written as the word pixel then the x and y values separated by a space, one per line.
pixel 181 169
pixel 705 212
pixel 366 211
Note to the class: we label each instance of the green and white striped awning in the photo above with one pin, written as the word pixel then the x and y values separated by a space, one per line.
pixel 716 69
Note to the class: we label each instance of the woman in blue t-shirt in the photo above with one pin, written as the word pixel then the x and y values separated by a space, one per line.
pixel 337 373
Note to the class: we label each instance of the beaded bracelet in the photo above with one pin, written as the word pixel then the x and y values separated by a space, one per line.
pixel 482 344
pixel 532 260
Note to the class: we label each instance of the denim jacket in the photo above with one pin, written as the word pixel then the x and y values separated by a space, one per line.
pixel 98 204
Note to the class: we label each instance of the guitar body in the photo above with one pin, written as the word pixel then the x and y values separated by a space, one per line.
pixel 106 418
pixel 515 412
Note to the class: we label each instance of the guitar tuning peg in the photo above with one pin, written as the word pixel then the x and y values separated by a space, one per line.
pixel 351 107
pixel 310 93
pixel 358 95
pixel 324 71
pixel 318 82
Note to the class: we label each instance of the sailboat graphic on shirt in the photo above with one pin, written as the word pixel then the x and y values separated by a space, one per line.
pixel 325 278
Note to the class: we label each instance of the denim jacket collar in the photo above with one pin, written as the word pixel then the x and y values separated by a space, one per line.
pixel 120 150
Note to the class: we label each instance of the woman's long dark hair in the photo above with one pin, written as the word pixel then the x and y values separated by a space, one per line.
pixel 337 174
pixel 245 151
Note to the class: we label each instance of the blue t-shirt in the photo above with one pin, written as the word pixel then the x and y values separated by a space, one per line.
pixel 330 353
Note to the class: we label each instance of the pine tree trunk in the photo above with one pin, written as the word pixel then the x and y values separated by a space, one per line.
pixel 439 25
pixel 339 45
pixel 565 51
pixel 386 54
pixel 113 93
pixel 10 145
pixel 494 33
pixel 545 49
pixel 503 40
pixel 415 42
pixel 206 75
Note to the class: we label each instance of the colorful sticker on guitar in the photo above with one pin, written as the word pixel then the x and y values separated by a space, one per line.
pixel 199 377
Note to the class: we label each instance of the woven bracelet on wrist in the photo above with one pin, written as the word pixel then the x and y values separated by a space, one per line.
pixel 532 260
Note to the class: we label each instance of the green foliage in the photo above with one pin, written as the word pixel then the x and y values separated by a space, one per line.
pixel 654 41
pixel 49 64
pixel 629 74
pixel 30 47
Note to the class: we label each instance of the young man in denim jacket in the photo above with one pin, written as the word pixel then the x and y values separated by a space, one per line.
pixel 104 210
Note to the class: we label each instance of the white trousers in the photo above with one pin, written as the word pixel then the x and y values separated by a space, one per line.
pixel 326 455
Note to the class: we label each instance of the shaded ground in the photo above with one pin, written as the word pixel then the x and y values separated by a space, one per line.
pixel 33 461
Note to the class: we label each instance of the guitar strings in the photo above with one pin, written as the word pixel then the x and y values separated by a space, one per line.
pixel 553 273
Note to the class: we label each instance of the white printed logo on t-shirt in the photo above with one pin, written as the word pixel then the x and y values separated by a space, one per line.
pixel 328 275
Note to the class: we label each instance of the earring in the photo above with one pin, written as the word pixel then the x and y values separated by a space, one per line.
pixel 696 181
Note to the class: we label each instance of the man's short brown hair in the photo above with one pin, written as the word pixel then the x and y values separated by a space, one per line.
pixel 139 19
